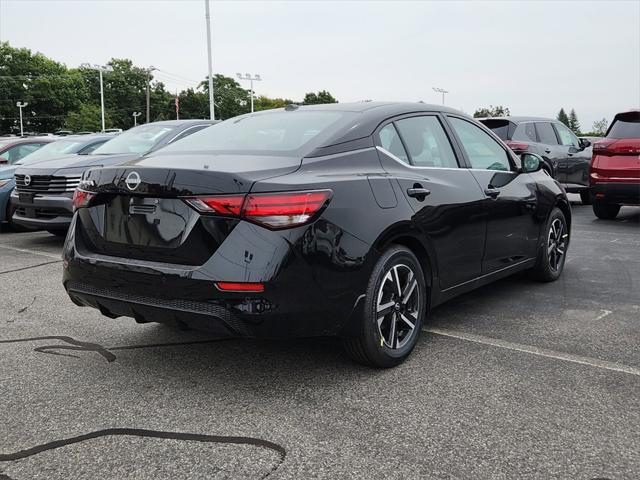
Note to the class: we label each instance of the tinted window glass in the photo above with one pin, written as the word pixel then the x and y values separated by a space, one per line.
pixel 567 137
pixel 502 128
pixel 427 143
pixel 625 126
pixel 546 133
pixel 139 139
pixel 278 132
pixel 526 132
pixel 55 149
pixel 188 132
pixel 390 141
pixel 20 151
pixel 482 150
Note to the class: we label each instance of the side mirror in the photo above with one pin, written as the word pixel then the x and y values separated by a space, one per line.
pixel 584 143
pixel 531 162
pixel 4 161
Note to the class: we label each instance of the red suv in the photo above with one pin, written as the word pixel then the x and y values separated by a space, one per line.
pixel 614 175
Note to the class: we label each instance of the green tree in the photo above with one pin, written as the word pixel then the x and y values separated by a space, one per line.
pixel 230 98
pixel 49 87
pixel 600 127
pixel 574 124
pixel 563 117
pixel 266 103
pixel 321 97
pixel 497 111
pixel 87 118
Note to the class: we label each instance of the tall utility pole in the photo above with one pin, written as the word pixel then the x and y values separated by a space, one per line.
pixel 135 118
pixel 247 76
pixel 149 70
pixel 442 91
pixel 101 69
pixel 21 105
pixel 207 16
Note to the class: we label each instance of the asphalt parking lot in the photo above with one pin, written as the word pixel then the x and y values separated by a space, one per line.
pixel 515 380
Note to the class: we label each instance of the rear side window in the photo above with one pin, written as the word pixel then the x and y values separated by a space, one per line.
pixel 525 132
pixel 626 125
pixel 502 128
pixel 482 150
pixel 188 132
pixel 390 141
pixel 546 133
pixel 427 142
pixel 567 138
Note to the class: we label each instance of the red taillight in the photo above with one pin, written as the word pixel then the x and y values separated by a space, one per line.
pixel 240 287
pixel 82 198
pixel 273 210
pixel 517 146
pixel 219 204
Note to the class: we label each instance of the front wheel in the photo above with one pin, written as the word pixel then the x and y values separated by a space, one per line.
pixel 552 252
pixel 395 307
pixel 606 211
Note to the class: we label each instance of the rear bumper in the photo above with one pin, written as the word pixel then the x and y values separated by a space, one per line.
pixel 617 193
pixel 47 212
pixel 295 303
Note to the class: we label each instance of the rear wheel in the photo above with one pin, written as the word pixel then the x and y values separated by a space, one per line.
pixel 553 251
pixel 606 211
pixel 395 306
pixel 585 197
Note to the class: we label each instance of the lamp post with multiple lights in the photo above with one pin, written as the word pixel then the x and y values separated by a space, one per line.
pixel 254 78
pixel 135 118
pixel 100 69
pixel 442 91
pixel 20 106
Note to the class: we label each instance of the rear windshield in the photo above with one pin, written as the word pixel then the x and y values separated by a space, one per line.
pixel 137 140
pixel 502 128
pixel 626 125
pixel 278 132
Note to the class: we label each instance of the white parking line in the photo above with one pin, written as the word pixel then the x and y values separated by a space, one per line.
pixel 34 252
pixel 542 352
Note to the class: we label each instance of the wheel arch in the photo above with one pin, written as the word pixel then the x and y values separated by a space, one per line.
pixel 565 208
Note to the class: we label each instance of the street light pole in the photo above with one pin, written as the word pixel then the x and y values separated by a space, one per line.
pixel 21 105
pixel 247 76
pixel 207 16
pixel 101 69
pixel 442 91
pixel 149 70
pixel 135 118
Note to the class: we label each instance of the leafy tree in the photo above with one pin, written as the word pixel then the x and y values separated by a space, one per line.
pixel 574 124
pixel 318 98
pixel 266 103
pixel 87 118
pixel 50 89
pixel 563 117
pixel 600 127
pixel 229 97
pixel 497 111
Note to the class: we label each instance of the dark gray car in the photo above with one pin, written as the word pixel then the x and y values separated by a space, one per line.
pixel 43 195
pixel 566 157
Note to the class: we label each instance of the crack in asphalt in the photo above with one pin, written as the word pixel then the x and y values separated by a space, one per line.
pixel 29 267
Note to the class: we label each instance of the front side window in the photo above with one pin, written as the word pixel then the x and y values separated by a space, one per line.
pixel 526 132
pixel 567 138
pixel 546 133
pixel 482 150
pixel 390 141
pixel 427 142
pixel 20 151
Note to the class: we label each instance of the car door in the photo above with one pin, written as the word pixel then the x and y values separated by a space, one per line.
pixel 416 151
pixel 573 168
pixel 510 197
pixel 552 151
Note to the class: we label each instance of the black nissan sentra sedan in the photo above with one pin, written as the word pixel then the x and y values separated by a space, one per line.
pixel 349 220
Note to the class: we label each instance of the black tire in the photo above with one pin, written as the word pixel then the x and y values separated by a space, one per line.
pixel 552 251
pixel 585 197
pixel 606 211
pixel 397 266
pixel 58 233
pixel 13 226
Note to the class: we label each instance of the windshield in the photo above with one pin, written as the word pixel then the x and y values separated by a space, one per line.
pixel 626 125
pixel 277 132
pixel 52 150
pixel 137 140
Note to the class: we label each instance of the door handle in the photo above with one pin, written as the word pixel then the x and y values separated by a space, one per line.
pixel 418 192
pixel 547 150
pixel 492 192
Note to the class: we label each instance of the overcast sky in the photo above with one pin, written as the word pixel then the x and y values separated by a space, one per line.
pixel 533 57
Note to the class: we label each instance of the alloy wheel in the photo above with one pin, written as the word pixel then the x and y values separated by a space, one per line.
pixel 556 244
pixel 398 306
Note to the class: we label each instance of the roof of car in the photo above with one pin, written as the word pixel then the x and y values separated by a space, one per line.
pixel 17 140
pixel 377 107
pixel 178 123
pixel 520 119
